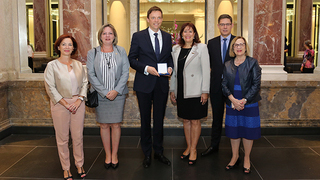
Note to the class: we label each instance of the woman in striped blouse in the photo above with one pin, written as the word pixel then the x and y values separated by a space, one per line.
pixel 108 72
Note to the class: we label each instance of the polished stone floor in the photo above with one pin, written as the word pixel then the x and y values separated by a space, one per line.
pixel 273 157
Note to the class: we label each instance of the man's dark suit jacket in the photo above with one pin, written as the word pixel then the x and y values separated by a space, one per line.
pixel 216 65
pixel 142 54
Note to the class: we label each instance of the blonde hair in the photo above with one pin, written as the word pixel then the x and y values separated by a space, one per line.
pixel 115 41
pixel 231 52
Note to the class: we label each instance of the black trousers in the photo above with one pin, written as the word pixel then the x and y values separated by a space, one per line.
pixel 307 70
pixel 158 99
pixel 217 103
pixel 30 62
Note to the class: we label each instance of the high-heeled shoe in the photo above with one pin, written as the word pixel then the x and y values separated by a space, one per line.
pixel 69 176
pixel 115 166
pixel 82 174
pixel 107 165
pixel 192 162
pixel 246 170
pixel 228 167
pixel 184 156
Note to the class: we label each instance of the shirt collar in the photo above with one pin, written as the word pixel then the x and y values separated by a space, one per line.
pixel 152 32
pixel 228 38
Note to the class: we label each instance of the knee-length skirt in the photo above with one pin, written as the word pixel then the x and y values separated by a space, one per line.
pixel 110 111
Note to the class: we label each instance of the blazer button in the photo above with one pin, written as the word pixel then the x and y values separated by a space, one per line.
pixel 116 78
pixel 192 75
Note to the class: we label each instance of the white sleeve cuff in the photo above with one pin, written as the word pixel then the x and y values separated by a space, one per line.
pixel 145 71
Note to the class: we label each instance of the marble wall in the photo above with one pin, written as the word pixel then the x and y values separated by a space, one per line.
pixel 267 31
pixel 305 21
pixel 39 15
pixel 77 22
pixel 4 109
pixel 283 104
pixel 7 40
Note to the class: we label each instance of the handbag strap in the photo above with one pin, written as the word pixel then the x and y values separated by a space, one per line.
pixel 95 53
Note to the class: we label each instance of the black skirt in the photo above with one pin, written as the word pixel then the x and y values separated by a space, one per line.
pixel 188 108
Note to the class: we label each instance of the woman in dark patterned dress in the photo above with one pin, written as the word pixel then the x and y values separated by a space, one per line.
pixel 241 84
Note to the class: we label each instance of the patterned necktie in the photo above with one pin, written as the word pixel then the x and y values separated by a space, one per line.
pixel 157 45
pixel 224 49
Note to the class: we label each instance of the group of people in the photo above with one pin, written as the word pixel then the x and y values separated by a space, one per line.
pixel 221 69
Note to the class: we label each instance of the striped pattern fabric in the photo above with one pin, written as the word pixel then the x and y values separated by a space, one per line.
pixel 108 67
pixel 245 123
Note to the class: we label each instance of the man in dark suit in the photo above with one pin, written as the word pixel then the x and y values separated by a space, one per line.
pixel 218 48
pixel 150 47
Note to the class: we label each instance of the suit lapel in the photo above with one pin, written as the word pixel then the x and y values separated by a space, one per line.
pixel 148 40
pixel 227 55
pixel 193 53
pixel 97 63
pixel 164 43
pixel 220 55
pixel 117 58
pixel 175 55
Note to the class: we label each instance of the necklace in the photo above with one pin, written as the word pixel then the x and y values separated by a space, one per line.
pixel 108 57
pixel 238 61
pixel 185 55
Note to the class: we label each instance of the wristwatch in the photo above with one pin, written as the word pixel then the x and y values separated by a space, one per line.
pixel 81 98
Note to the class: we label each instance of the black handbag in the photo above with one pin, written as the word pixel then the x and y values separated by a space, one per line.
pixel 92 97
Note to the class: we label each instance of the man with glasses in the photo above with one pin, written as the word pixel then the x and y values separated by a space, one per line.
pixel 218 48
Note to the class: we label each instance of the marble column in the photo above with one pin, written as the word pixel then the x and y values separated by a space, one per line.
pixel 268 37
pixel 304 22
pixel 77 22
pixel 39 15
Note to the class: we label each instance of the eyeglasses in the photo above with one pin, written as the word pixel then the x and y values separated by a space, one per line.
pixel 239 45
pixel 227 24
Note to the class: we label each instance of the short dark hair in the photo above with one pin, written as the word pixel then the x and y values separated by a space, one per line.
pixel 224 16
pixel 153 8
pixel 196 36
pixel 60 39
pixel 115 41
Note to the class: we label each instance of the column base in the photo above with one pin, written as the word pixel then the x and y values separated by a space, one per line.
pixel 273 73
pixel 316 70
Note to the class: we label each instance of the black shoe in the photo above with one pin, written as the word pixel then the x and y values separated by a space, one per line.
pixel 162 159
pixel 82 174
pixel 69 176
pixel 107 165
pixel 210 150
pixel 184 156
pixel 228 167
pixel 147 162
pixel 192 162
pixel 246 170
pixel 115 166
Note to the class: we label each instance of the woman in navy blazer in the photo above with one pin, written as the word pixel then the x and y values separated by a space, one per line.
pixel 108 72
pixel 190 84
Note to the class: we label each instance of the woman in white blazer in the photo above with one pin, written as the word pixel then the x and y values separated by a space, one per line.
pixel 66 84
pixel 189 86
pixel 108 73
